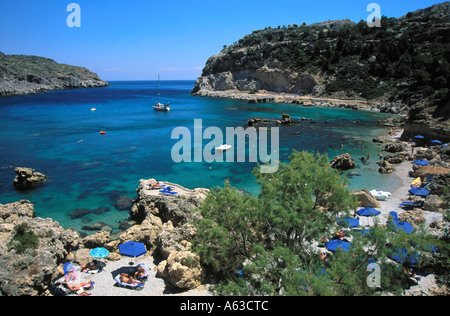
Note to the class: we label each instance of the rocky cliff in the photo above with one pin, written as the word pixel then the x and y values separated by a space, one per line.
pixel 33 249
pixel 20 74
pixel 404 63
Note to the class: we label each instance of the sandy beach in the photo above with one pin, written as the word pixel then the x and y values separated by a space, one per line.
pixel 401 194
pixel 105 285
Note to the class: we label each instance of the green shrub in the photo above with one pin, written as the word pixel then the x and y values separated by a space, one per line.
pixel 23 239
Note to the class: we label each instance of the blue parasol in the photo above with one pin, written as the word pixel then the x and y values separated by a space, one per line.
pixel 99 253
pixel 419 137
pixel 368 211
pixel 336 244
pixel 132 249
pixel 435 141
pixel 421 162
pixel 347 222
pixel 396 224
pixel 400 255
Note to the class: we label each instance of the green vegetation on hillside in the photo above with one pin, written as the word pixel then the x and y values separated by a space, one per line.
pixel 405 59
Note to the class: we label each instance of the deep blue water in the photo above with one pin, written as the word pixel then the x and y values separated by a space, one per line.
pixel 44 132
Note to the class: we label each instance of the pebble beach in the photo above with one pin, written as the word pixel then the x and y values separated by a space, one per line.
pixel 105 285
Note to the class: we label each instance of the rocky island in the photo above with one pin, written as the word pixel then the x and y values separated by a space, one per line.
pixel 21 74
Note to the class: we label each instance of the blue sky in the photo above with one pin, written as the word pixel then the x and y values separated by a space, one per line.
pixel 137 39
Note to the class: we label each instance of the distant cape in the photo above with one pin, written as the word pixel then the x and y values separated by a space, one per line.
pixel 22 74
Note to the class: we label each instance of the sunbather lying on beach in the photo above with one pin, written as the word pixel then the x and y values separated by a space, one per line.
pixel 79 287
pixel 125 278
pixel 90 266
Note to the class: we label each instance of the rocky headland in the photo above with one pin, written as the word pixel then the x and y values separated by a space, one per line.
pixel 21 74
pixel 401 67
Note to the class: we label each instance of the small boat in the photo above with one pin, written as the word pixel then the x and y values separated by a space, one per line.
pixel 224 147
pixel 380 195
pixel 102 132
pixel 93 109
pixel 159 106
pixel 416 182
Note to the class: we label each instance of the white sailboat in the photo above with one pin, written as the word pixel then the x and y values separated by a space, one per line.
pixel 159 106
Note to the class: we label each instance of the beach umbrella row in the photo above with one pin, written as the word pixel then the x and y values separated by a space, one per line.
pixel 434 141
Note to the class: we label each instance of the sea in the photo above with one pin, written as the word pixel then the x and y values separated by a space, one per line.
pixel 57 133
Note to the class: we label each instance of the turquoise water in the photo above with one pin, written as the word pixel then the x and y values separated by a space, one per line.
pixel 44 132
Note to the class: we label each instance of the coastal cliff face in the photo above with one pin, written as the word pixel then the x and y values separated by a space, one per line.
pixel 404 63
pixel 20 74
pixel 31 249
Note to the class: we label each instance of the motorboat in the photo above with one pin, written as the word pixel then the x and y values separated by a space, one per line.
pixel 380 195
pixel 224 147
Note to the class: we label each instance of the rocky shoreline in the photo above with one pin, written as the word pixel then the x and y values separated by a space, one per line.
pixel 288 98
pixel 164 223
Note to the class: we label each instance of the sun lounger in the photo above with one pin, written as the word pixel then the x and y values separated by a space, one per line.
pixel 168 190
pixel 410 205
pixel 137 286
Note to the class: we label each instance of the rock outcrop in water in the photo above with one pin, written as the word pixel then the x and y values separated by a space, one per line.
pixel 27 178
pixel 343 162
pixel 20 74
